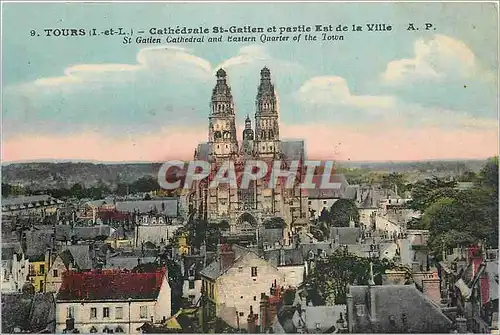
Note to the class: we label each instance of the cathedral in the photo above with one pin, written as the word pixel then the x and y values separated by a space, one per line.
pixel 247 209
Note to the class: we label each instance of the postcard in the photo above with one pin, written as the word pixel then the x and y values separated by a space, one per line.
pixel 249 167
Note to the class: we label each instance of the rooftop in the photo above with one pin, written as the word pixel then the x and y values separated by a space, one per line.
pixel 111 285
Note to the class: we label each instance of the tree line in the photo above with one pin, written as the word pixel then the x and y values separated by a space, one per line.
pixel 458 217
pixel 79 191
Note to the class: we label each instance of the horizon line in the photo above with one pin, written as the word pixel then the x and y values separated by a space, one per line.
pixel 98 162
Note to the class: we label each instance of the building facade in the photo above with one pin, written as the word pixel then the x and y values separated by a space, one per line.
pixel 233 284
pixel 246 208
pixel 112 301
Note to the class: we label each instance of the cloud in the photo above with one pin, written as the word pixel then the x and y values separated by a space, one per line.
pixel 334 90
pixel 166 86
pixel 438 58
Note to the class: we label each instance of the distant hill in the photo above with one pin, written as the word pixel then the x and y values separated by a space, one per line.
pixel 44 175
pixel 61 175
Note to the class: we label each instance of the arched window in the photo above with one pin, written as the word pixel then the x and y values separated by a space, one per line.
pixel 119 330
pixel 93 330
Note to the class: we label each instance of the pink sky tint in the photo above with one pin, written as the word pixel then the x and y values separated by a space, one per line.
pixel 377 143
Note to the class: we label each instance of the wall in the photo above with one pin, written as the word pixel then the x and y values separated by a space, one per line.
pixel 53 283
pixel 237 290
pixel 36 275
pixel 164 301
pixel 82 315
pixel 14 274
pixel 318 204
pixel 382 223
pixel 293 275
pixel 196 291
pixel 155 233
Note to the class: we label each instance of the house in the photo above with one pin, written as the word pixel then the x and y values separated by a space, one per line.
pixel 290 262
pixel 320 198
pixel 71 258
pixel 15 269
pixel 191 267
pixel 121 238
pixel 27 313
pixel 319 319
pixel 30 205
pixel 232 285
pixel 394 309
pixel 169 207
pixel 155 233
pixel 112 301
pixel 345 235
pixel 123 262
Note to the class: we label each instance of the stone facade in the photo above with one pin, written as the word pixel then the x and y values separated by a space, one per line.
pixel 246 208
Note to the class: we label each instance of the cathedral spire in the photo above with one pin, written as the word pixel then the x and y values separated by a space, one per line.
pixel 222 124
pixel 222 99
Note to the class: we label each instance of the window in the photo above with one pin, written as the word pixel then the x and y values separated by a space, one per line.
pixel 143 312
pixel 254 298
pixel 309 202
pixel 119 313
pixel 105 312
pixel 70 313
pixel 324 202
pixel 254 271
pixel 241 314
pixel 191 284
pixel 191 272
pixel 55 274
pixel 42 269
pixel 93 313
pixel 240 268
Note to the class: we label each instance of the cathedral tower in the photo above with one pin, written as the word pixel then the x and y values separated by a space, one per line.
pixel 267 143
pixel 222 124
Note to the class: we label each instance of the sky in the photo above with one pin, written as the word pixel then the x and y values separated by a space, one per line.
pixel 375 96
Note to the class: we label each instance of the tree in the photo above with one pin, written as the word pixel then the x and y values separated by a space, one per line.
pixel 426 192
pixel 342 212
pixel 467 176
pixel 330 278
pixel 77 191
pixel 392 180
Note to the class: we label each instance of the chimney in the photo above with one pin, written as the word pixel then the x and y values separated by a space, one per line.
pixel 431 287
pixel 264 310
pixel 251 322
pixel 461 324
pixel 227 256
pixel 371 289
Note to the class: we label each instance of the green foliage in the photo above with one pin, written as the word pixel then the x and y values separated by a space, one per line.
pixel 393 180
pixel 330 278
pixel 342 212
pixel 14 191
pixel 456 217
pixel 468 176
pixel 356 176
pixel 426 192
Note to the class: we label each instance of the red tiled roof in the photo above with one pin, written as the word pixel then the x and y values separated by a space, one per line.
pixel 111 285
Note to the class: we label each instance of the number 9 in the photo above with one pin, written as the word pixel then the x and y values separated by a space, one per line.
pixel 33 33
